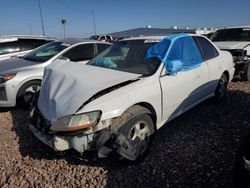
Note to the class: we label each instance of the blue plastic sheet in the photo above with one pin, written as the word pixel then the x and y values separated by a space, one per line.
pixel 178 52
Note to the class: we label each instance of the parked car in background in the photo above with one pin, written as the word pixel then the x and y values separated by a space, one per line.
pixel 18 45
pixel 236 40
pixel 122 96
pixel 21 77
pixel 107 38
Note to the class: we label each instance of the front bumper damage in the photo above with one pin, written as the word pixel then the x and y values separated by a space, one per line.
pixel 58 141
pixel 105 141
pixel 80 143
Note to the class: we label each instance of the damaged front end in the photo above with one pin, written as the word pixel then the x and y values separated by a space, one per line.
pixel 105 137
pixel 79 138
pixel 241 60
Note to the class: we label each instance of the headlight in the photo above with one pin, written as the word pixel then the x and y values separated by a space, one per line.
pixel 6 77
pixel 76 122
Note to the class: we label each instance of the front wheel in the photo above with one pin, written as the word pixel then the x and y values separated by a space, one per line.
pixel 135 135
pixel 221 88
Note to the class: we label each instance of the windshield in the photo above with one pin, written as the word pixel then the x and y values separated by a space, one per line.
pixel 128 56
pixel 238 34
pixel 46 52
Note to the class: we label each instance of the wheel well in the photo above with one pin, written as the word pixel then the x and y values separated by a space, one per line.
pixel 151 109
pixel 19 93
pixel 227 75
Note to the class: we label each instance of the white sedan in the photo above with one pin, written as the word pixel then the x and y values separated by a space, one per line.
pixel 122 96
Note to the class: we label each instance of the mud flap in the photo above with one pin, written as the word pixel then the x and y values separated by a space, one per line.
pixel 129 149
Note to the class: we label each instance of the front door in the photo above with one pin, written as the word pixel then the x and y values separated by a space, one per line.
pixel 180 92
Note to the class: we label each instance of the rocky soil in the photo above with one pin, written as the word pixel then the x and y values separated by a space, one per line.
pixel 197 149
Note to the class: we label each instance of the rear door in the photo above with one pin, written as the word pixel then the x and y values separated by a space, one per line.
pixel 211 57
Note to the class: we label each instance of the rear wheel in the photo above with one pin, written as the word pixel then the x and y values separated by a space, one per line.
pixel 26 93
pixel 221 89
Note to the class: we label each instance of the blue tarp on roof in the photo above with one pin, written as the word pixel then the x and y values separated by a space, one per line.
pixel 178 53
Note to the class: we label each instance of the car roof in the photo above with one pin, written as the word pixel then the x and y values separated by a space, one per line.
pixel 16 37
pixel 237 27
pixel 154 38
pixel 79 40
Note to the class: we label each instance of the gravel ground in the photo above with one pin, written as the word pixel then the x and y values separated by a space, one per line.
pixel 195 150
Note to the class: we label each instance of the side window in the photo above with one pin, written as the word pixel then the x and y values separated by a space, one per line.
pixel 101 47
pixel 208 50
pixel 9 47
pixel 80 53
pixel 108 37
pixel 29 44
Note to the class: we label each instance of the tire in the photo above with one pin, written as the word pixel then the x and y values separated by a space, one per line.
pixel 138 127
pixel 221 88
pixel 246 75
pixel 241 176
pixel 26 93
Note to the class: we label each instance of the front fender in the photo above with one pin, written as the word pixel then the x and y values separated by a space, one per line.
pixel 115 103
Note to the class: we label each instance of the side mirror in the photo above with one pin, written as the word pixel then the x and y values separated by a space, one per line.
pixel 173 66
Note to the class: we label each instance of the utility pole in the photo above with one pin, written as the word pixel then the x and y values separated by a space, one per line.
pixel 93 13
pixel 30 29
pixel 41 15
pixel 63 21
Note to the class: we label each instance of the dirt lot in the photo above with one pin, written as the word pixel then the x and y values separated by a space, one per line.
pixel 195 150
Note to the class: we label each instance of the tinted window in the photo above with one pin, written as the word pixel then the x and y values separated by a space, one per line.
pixel 46 51
pixel 101 47
pixel 81 52
pixel 208 50
pixel 236 34
pixel 9 47
pixel 29 44
pixel 108 37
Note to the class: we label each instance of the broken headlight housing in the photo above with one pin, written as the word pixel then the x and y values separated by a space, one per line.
pixel 76 122
pixel 4 78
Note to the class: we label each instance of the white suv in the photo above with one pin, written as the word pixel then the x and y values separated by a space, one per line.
pixel 19 45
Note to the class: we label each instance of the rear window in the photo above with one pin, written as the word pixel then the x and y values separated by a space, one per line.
pixel 207 49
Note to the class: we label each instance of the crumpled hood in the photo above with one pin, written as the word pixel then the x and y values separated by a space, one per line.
pixel 67 85
pixel 231 45
pixel 15 65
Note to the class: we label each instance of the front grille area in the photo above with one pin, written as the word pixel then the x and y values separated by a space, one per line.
pixel 2 94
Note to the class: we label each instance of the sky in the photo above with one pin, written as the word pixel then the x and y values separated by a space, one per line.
pixel 23 16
